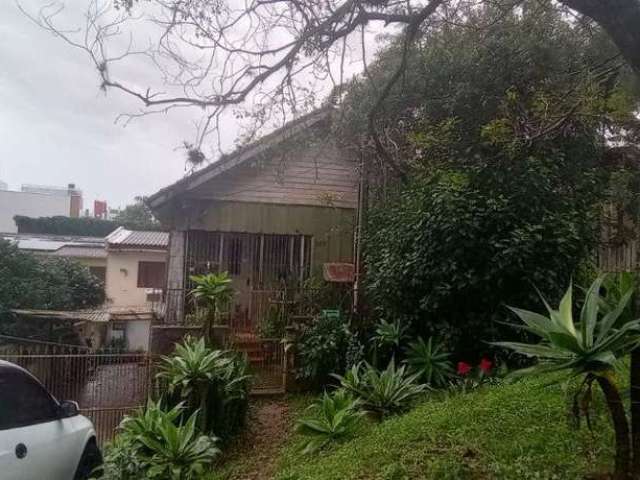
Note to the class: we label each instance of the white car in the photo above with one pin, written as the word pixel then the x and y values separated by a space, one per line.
pixel 41 438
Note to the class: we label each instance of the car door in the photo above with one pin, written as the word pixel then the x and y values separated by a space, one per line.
pixel 34 442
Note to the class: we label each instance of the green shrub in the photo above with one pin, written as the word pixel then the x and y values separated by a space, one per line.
pixel 155 445
pixel 430 361
pixel 213 382
pixel 325 347
pixel 388 339
pixel 333 417
pixel 382 393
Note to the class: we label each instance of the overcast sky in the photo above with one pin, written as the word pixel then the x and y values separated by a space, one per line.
pixel 57 127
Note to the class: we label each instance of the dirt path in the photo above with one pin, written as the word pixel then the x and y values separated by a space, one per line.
pixel 256 451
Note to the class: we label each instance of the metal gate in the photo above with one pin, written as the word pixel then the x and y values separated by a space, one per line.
pixel 106 386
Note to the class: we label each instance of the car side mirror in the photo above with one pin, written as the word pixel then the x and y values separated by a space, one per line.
pixel 69 408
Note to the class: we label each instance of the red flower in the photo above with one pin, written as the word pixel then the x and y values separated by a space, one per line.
pixel 485 365
pixel 463 368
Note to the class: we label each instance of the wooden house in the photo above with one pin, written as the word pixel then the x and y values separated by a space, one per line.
pixel 271 214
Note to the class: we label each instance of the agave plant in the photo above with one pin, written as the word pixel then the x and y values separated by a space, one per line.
pixel 153 444
pixel 590 347
pixel 193 371
pixel 382 393
pixel 213 291
pixel 387 340
pixel 430 361
pixel 333 417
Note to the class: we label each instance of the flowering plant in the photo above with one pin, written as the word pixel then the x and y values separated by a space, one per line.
pixel 471 377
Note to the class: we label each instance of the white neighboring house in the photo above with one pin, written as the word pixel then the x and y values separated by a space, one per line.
pixel 135 282
pixel 37 201
pixel 132 266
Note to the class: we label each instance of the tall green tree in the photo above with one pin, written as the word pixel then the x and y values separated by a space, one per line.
pixel 30 282
pixel 137 216
pixel 502 133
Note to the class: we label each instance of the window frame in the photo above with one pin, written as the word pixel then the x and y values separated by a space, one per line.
pixel 141 281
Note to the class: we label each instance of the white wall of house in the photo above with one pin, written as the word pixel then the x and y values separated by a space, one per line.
pixel 122 276
pixel 30 204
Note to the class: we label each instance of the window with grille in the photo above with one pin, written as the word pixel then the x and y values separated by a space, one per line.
pixel 151 274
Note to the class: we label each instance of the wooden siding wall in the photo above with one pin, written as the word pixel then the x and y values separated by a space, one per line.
pixel 619 237
pixel 301 175
pixel 330 228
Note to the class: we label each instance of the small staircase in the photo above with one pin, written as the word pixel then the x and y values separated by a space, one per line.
pixel 251 345
pixel 266 359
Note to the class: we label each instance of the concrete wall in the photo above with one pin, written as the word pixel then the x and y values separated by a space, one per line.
pixel 122 276
pixel 30 205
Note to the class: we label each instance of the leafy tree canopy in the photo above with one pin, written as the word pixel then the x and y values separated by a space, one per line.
pixel 137 216
pixel 27 281
pixel 502 133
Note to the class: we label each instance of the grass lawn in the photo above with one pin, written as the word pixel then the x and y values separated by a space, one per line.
pixel 518 431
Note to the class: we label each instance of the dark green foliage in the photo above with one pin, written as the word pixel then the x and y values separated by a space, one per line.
pixel 324 347
pixel 453 248
pixel 156 444
pixel 27 281
pixel 500 131
pixel 431 361
pixel 137 216
pixel 133 217
pixel 388 339
pixel 213 382
pixel 86 227
pixel 332 417
pixel 382 393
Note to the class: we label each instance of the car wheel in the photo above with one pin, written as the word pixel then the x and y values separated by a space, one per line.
pixel 90 460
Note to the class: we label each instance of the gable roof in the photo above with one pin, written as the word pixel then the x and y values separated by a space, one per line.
pixel 239 156
pixel 123 238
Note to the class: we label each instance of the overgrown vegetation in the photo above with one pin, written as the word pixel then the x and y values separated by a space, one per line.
pixel 324 347
pixel 211 384
pixel 155 444
pixel 49 283
pixel 501 129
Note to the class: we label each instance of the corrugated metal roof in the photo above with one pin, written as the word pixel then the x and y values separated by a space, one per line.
pixel 138 239
pixel 50 243
pixel 97 316
pixel 80 252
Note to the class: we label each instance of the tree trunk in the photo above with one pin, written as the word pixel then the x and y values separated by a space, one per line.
pixel 620 19
pixel 634 386
pixel 620 425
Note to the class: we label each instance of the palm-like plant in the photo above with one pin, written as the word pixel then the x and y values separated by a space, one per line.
pixel 334 417
pixel 430 361
pixel 382 393
pixel 171 450
pixel 591 347
pixel 153 444
pixel 388 338
pixel 213 291
pixel 193 371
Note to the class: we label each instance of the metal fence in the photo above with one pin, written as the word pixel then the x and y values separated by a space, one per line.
pixel 106 386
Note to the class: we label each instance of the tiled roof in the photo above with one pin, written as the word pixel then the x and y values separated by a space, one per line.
pixel 138 239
